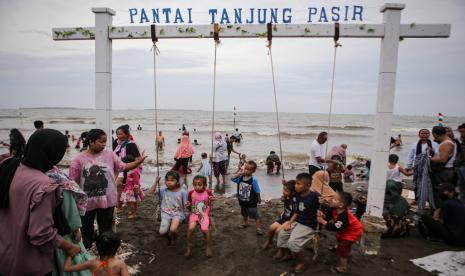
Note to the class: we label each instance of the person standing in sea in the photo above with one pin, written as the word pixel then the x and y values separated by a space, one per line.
pixel 317 154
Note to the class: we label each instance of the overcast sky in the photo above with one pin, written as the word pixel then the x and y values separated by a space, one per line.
pixel 36 71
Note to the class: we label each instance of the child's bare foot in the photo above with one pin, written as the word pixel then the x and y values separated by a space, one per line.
pixel 119 210
pixel 242 226
pixel 259 231
pixel 208 252
pixel 299 268
pixel 266 245
pixel 132 216
pixel 188 252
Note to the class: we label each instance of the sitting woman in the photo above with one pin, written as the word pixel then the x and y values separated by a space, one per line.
pixel 395 211
pixel 448 222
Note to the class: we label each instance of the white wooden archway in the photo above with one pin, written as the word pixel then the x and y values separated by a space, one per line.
pixel 390 31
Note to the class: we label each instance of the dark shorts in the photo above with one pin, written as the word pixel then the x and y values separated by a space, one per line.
pixel 312 170
pixel 336 186
pixel 219 168
pixel 282 221
pixel 250 212
pixel 343 248
pixel 181 162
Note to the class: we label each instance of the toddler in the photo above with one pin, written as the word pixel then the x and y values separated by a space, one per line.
pixel 106 264
pixel 347 226
pixel 349 175
pixel 173 203
pixel 205 168
pixel 248 193
pixel 132 192
pixel 199 201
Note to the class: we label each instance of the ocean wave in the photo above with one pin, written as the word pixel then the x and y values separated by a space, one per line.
pixel 64 121
pixel 340 127
pixel 301 135
pixel 9 117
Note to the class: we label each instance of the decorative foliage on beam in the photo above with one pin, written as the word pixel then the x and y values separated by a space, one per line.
pixel 253 31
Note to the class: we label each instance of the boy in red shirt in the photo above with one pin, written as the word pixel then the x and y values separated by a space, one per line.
pixel 347 226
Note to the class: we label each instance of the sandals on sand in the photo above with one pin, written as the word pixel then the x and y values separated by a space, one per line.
pixel 335 269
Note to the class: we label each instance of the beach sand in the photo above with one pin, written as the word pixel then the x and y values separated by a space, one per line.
pixel 238 251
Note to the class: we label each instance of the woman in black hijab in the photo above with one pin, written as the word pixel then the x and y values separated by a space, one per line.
pixel 27 201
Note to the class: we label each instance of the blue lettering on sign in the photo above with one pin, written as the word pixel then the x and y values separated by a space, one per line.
pixel 155 16
pixel 311 11
pixel 132 12
pixel 287 19
pixel 260 19
pixel 238 16
pixel 143 16
pixel 251 15
pixel 224 17
pixel 178 17
pixel 213 14
pixel 335 12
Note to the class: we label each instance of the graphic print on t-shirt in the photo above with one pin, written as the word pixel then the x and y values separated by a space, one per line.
pixel 244 191
pixel 95 182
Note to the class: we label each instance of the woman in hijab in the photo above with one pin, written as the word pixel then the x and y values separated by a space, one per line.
pixel 73 205
pixel 183 153
pixel 320 184
pixel 220 159
pixel 29 227
pixel 395 211
pixel 16 146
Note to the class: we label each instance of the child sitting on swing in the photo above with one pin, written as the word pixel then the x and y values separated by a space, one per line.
pixel 286 198
pixel 173 203
pixel 199 201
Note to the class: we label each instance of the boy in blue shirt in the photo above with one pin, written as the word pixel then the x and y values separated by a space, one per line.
pixel 301 227
pixel 248 193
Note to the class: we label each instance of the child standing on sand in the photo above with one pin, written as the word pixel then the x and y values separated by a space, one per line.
pixel 173 203
pixel 199 201
pixel 347 226
pixel 205 168
pixel 132 192
pixel 106 264
pixel 301 227
pixel 248 193
pixel 286 198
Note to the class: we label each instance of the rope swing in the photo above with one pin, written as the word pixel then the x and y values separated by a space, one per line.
pixel 155 53
pixel 216 39
pixel 270 37
pixel 316 238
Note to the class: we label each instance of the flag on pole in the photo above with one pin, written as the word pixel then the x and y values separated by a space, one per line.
pixel 235 111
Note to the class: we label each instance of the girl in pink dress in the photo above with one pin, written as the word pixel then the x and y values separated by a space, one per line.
pixel 199 201
pixel 132 193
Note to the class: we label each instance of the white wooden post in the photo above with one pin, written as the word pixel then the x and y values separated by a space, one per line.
pixel 103 54
pixel 383 125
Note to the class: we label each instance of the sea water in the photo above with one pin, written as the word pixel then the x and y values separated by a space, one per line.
pixel 259 131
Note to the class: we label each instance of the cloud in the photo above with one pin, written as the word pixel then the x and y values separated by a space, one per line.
pixel 41 72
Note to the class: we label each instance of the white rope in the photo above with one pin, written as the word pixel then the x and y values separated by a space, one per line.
pixel 155 53
pixel 213 105
pixel 276 108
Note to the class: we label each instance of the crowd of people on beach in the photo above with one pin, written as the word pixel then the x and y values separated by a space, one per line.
pixel 50 215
